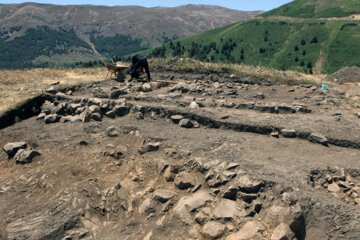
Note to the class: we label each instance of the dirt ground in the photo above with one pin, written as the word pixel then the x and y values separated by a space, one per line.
pixel 186 156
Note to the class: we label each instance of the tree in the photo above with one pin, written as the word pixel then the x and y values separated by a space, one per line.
pixel 314 40
pixel 302 42
pixel 296 48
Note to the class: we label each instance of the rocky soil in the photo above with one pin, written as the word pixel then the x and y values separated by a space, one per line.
pixel 185 156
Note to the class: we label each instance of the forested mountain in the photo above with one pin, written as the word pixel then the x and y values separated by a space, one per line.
pixel 43 34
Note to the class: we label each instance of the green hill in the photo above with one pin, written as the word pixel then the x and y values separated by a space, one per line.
pixel 301 44
pixel 317 9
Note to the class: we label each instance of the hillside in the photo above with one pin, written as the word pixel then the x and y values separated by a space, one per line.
pixel 317 8
pixel 309 45
pixel 42 34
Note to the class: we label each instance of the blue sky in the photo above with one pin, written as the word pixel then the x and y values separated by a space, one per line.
pixel 247 5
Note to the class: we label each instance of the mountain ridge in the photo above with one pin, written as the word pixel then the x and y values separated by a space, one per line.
pixel 104 28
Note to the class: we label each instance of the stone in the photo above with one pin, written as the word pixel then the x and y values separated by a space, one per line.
pixel 288 133
pixel 51 118
pixel 25 156
pixel 249 105
pixel 41 116
pixel 176 118
pixel 193 105
pixel 150 147
pixel 217 181
pixel 51 90
pixel 147 206
pixel 228 210
pixel 229 174
pixel 274 134
pixel 213 229
pixel 110 114
pixel 246 197
pixel 75 118
pixel 64 119
pixel 283 108
pixel 118 92
pixel 259 96
pixel 293 216
pixel 48 222
pixel 318 138
pixel 85 116
pixel 146 87
pixel 184 180
pixel 121 110
pixel 249 186
pixel 282 232
pixel 163 195
pixel 334 188
pixel 94 109
pixel 357 201
pixel 96 117
pixel 186 123
pixel 112 132
pixel 11 148
pixel 203 215
pixel 251 230
pixel 168 175
pixel 188 204
pixel 232 166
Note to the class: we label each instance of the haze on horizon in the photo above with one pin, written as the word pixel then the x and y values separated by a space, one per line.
pixel 244 5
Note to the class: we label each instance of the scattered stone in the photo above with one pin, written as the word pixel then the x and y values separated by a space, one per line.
pixel 83 142
pixel 224 116
pixel 94 109
pixel 318 138
pixel 213 229
pixel 146 87
pixel 275 134
pixel 249 186
pixel 188 204
pixel 186 123
pixel 147 206
pixel 251 230
pixel 51 118
pixel 288 133
pixel 96 117
pixel 228 210
pixel 51 90
pixel 118 92
pixel 54 83
pixel 149 147
pixel 41 116
pixel 259 96
pixel 184 180
pixel 232 166
pixel 85 116
pixel 25 156
pixel 112 132
pixel 216 181
pixel 334 188
pixel 193 105
pixel 121 110
pixel 11 148
pixel 176 118
pixel 163 195
pixel 282 232
pixel 283 108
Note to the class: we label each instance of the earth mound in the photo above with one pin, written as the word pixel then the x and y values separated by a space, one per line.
pixel 346 74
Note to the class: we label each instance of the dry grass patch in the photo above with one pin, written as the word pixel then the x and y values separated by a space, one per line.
pixel 19 85
pixel 255 73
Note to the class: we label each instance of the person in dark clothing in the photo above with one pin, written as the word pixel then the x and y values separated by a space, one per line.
pixel 138 63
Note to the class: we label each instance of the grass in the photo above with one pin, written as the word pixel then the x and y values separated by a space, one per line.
pixel 280 44
pixel 18 85
pixel 255 73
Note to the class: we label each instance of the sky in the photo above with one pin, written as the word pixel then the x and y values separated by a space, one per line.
pixel 246 5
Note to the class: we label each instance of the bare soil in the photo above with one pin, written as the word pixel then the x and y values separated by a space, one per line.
pixel 247 166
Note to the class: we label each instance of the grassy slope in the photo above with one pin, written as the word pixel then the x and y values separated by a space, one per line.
pixel 293 45
pixel 317 9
